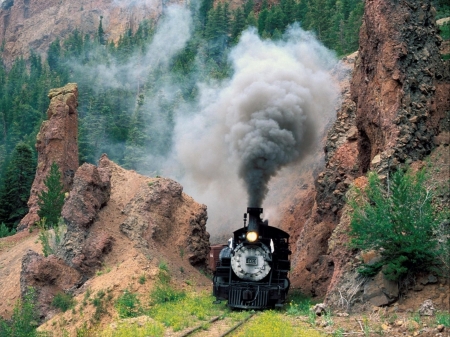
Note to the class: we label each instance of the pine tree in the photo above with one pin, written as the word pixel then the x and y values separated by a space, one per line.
pixel 51 201
pixel 101 32
pixel 15 189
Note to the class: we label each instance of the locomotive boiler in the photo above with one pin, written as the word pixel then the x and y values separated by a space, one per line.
pixel 252 271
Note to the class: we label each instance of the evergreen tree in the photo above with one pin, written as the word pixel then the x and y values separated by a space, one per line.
pixel 54 55
pixel 101 32
pixel 238 24
pixel 51 201
pixel 15 189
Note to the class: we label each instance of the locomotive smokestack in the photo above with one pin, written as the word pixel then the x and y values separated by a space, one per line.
pixel 254 218
pixel 253 223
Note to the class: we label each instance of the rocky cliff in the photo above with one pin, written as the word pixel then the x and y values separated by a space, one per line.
pixel 31 25
pixel 395 111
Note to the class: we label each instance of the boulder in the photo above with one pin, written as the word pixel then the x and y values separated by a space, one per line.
pixel 48 276
pixel 427 308
pixel 380 291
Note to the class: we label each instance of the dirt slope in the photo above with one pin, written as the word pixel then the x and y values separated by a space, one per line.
pixel 12 249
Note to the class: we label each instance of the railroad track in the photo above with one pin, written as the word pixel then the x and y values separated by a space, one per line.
pixel 215 327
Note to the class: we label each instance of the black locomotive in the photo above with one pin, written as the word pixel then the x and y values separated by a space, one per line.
pixel 252 271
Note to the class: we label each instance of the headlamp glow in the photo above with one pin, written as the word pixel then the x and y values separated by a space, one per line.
pixel 252 236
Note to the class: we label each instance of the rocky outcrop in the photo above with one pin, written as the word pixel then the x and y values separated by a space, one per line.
pixel 395 111
pixel 399 85
pixel 159 214
pixel 80 248
pixel 48 276
pixel 57 141
pixel 31 25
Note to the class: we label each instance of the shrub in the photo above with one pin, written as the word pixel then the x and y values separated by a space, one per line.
pixel 63 301
pixel 299 304
pixel 399 222
pixel 5 231
pixel 24 319
pixel 51 201
pixel 165 293
pixel 128 305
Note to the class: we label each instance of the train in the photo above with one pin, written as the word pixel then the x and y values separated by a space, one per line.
pixel 251 271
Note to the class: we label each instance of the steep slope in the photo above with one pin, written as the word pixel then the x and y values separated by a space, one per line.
pixel 31 25
pixel 396 111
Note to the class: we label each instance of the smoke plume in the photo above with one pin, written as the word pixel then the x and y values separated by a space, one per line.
pixel 265 117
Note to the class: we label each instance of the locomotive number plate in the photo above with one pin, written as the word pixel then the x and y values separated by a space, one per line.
pixel 251 261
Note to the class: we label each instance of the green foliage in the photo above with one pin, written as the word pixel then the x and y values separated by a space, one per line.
pixel 142 279
pixel 270 323
pixel 443 318
pixel 45 237
pixel 51 201
pixel 299 304
pixel 127 120
pixel 128 305
pixel 163 293
pixel 399 222
pixel 195 306
pixel 444 31
pixel 63 301
pixel 15 188
pixel 5 231
pixel 99 302
pixel 24 320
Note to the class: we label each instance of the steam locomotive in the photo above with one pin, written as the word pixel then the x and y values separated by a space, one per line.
pixel 252 271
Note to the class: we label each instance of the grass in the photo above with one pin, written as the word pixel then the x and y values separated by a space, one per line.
pixel 63 301
pixel 195 308
pixel 271 324
pixel 299 304
pixel 443 318
pixel 127 329
pixel 128 305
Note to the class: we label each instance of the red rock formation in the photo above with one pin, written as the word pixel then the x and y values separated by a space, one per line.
pixel 91 190
pixel 48 276
pixel 156 216
pixel 399 84
pixel 394 113
pixel 57 141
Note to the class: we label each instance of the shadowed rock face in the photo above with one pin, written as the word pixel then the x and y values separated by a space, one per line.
pixel 57 141
pixel 48 276
pixel 91 190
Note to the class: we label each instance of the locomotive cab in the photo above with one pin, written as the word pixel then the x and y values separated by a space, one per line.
pixel 252 271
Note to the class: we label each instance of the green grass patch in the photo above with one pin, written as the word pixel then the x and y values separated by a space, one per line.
pixel 298 304
pixel 63 301
pixel 163 293
pixel 270 324
pixel 445 31
pixel 443 318
pixel 128 305
pixel 195 308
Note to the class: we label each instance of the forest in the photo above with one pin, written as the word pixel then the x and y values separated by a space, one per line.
pixel 133 120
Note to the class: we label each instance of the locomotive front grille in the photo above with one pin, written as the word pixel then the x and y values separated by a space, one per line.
pixel 259 298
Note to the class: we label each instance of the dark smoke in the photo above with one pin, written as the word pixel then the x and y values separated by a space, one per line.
pixel 263 118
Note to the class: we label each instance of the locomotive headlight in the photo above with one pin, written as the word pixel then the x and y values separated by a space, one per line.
pixel 252 236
